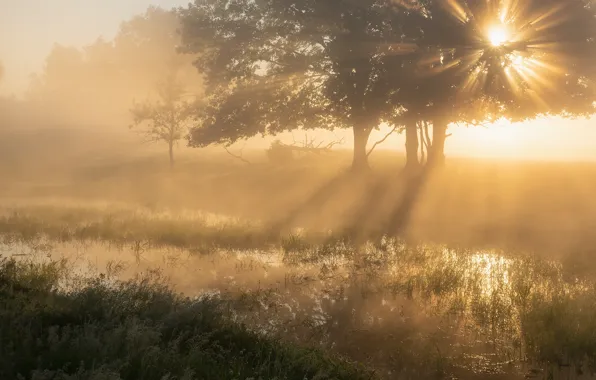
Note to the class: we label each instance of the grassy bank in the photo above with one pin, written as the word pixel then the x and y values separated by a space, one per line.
pixel 134 330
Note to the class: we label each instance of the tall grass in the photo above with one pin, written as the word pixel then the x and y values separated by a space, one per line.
pixel 135 330
pixel 441 310
pixel 198 232
pixel 409 311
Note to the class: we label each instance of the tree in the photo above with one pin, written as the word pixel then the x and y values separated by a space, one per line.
pixel 166 119
pixel 480 60
pixel 288 64
pixel 99 81
pixel 277 65
pixel 540 63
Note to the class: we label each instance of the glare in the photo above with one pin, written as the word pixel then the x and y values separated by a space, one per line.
pixel 498 35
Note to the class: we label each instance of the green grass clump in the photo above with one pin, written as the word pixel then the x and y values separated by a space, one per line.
pixel 104 330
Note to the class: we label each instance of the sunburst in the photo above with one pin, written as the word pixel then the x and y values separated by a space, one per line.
pixel 518 49
pixel 498 35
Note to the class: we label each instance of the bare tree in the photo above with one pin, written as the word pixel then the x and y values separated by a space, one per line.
pixel 282 152
pixel 310 145
pixel 239 156
pixel 166 119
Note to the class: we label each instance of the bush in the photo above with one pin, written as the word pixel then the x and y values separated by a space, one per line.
pixel 135 330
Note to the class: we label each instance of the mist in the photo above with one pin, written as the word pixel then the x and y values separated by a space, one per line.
pixel 276 180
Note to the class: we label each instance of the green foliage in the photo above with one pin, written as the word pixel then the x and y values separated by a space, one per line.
pixel 273 66
pixel 137 329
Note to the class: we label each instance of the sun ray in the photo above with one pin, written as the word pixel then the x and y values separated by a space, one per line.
pixel 457 10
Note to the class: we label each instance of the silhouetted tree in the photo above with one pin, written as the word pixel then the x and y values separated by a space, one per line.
pixel 542 65
pixel 166 119
pixel 277 65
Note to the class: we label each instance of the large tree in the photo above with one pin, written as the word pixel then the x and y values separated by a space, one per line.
pixel 276 65
pixel 480 59
pixel 279 65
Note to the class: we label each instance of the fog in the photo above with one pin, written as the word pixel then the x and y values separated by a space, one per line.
pixel 458 266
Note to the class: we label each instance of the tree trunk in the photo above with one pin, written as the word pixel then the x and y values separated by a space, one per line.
pixel 421 139
pixel 360 160
pixel 412 162
pixel 171 152
pixel 436 154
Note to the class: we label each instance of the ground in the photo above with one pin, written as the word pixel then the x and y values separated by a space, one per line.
pixel 492 274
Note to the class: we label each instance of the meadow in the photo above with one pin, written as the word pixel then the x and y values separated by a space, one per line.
pixel 278 271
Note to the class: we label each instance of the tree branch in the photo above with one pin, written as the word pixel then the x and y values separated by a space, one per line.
pixel 381 141
pixel 236 156
pixel 310 145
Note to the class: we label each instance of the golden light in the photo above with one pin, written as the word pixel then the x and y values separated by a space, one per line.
pixel 498 35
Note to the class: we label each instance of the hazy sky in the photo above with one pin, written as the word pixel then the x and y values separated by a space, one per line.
pixel 29 28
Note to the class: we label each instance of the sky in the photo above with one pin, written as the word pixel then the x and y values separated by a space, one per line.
pixel 29 29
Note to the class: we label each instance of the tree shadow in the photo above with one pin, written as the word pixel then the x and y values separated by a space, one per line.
pixel 328 205
pixel 387 206
pixel 359 206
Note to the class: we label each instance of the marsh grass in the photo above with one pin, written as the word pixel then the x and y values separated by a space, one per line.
pixel 431 311
pixel 136 329
pixel 196 231
pixel 407 311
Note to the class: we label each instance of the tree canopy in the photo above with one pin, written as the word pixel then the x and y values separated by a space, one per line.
pixel 273 66
pixel 279 65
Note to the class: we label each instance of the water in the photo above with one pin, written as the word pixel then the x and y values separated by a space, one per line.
pixel 406 311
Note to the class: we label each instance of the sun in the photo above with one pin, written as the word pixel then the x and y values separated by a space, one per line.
pixel 498 35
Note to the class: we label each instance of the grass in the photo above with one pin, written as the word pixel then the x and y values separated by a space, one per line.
pixel 441 310
pixel 406 310
pixel 422 311
pixel 135 330
pixel 128 226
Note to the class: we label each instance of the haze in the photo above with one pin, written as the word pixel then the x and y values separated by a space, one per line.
pixel 297 189
pixel 30 28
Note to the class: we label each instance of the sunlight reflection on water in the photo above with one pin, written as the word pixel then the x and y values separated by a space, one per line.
pixel 428 299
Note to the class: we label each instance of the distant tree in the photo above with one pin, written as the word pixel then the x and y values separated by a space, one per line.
pixel 98 82
pixel 166 119
pixel 277 65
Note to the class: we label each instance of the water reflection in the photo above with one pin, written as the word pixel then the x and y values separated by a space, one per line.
pixel 408 311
